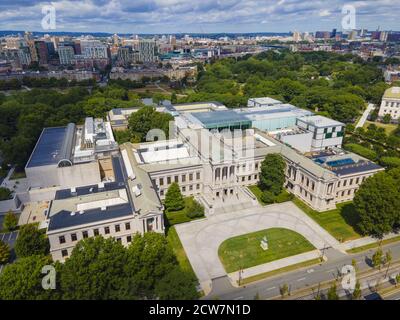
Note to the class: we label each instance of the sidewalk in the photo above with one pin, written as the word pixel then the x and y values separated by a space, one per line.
pixel 352 244
pixel 365 115
pixel 274 265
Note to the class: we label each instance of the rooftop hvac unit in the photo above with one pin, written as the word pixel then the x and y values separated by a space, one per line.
pixel 73 190
pixel 101 185
pixel 81 212
pixel 73 213
pixel 103 208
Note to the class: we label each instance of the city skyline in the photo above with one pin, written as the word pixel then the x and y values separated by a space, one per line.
pixel 180 16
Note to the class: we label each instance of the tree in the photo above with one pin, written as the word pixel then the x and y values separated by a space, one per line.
pixel 31 241
pixel 10 221
pixel 268 197
pixel 272 175
pixel 176 285
pixel 377 202
pixel 150 259
pixel 146 119
pixel 357 291
pixel 332 292
pixel 386 118
pixel 95 270
pixel 377 258
pixel 4 253
pixel 5 194
pixel 397 279
pixel 173 199
pixel 194 209
pixel 22 280
pixel 284 290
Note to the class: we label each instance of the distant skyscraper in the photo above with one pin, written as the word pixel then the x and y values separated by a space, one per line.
pixel 333 34
pixel 43 55
pixel 147 50
pixel 66 54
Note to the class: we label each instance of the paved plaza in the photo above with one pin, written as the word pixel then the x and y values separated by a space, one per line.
pixel 201 239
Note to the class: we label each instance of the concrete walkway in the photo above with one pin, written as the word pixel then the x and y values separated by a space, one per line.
pixel 365 241
pixel 365 115
pixel 201 239
pixel 274 265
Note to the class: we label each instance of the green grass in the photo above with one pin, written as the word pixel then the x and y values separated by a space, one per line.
pixel 279 271
pixel 283 197
pixel 176 217
pixel 373 245
pixel 341 222
pixel 245 251
pixel 389 128
pixel 175 242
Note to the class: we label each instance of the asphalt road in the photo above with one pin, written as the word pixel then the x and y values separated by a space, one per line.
pixel 269 288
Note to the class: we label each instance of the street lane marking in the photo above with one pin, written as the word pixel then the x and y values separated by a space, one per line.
pixel 272 288
pixel 238 298
pixel 301 279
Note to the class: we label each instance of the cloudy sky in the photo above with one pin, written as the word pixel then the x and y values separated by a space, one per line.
pixel 198 16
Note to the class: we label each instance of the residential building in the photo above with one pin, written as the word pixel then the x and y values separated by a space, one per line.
pixel 66 54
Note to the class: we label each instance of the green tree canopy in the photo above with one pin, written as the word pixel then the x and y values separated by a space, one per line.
pixel 176 285
pixel 31 241
pixel 22 280
pixel 146 119
pixel 173 199
pixel 272 176
pixel 378 204
pixel 4 253
pixel 10 221
pixel 95 270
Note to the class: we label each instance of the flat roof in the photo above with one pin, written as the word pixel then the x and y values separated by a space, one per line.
pixel 223 117
pixel 265 100
pixel 321 121
pixel 48 148
pixel 64 219
pixel 392 93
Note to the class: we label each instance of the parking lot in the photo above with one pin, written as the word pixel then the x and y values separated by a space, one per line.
pixel 10 239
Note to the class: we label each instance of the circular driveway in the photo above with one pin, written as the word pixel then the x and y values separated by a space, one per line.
pixel 201 239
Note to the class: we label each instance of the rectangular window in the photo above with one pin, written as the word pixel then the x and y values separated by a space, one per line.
pixel 183 189
pixel 161 192
pixel 184 178
pixel 198 175
pixel 61 239
pixel 161 181
pixel 168 180
pixel 351 182
pixel 127 226
pixel 176 179
pixel 85 234
pixel 74 237
pixel 190 176
pixel 106 230
pixel 117 228
pixel 96 232
pixel 191 187
pixel 129 239
pixel 197 186
pixel 344 183
pixel 118 239
pixel 64 253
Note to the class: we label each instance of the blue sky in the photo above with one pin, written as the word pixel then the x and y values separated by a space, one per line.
pixel 198 16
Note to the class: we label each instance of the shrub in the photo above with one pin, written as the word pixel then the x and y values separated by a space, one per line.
pixel 268 197
pixel 194 209
pixel 5 194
